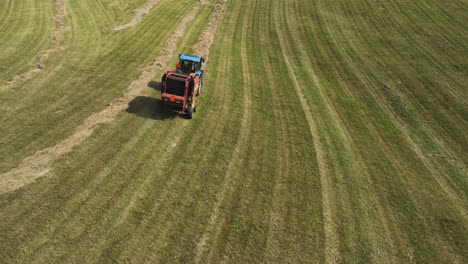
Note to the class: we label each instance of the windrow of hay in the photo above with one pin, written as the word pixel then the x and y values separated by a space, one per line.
pixel 40 163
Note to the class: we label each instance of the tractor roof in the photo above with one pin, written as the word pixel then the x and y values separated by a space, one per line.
pixel 189 57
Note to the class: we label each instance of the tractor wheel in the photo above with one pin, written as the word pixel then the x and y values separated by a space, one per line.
pixel 189 112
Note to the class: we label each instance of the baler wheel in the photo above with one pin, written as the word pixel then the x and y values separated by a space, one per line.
pixel 189 112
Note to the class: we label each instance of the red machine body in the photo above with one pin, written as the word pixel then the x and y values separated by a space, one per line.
pixel 179 91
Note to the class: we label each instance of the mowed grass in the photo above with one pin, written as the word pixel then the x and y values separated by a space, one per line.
pixel 327 131
pixel 25 29
pixel 96 72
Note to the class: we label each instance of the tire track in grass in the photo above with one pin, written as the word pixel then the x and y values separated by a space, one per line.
pixel 46 92
pixel 437 174
pixel 368 202
pixel 74 206
pixel 77 86
pixel 282 215
pixel 428 55
pixel 67 218
pixel 431 55
pixel 213 230
pixel 165 196
pixel 26 31
pixel 382 213
pixel 137 15
pixel 56 45
pixel 433 169
pixel 140 190
pixel 202 48
pixel 277 218
pixel 339 47
pixel 168 154
pixel 84 197
pixel 40 163
pixel 279 206
pixel 77 28
pixel 368 75
pixel 332 253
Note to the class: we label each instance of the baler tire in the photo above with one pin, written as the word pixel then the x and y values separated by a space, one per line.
pixel 189 112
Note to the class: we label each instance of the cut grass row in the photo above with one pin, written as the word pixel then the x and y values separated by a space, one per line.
pixel 85 193
pixel 394 168
pixel 25 30
pixel 96 73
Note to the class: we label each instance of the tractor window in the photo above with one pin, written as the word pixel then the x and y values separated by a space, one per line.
pixel 175 87
pixel 188 66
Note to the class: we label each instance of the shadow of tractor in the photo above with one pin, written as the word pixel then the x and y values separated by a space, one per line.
pixel 148 107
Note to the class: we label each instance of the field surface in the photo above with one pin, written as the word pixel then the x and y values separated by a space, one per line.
pixel 326 132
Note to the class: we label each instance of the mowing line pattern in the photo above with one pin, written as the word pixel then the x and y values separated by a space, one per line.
pixel 327 132
pixel 213 229
pixel 55 46
pixel 331 245
pixel 40 163
pixel 201 47
pixel 420 153
pixel 373 230
pixel 138 15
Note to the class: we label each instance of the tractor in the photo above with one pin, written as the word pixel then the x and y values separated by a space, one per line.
pixel 181 86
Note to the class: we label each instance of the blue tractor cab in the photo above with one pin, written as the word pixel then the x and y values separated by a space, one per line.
pixel 190 64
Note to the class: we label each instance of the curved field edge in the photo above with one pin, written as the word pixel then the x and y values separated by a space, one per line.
pixel 27 28
pixel 60 12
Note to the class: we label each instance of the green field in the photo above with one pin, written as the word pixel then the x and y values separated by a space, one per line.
pixel 326 132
